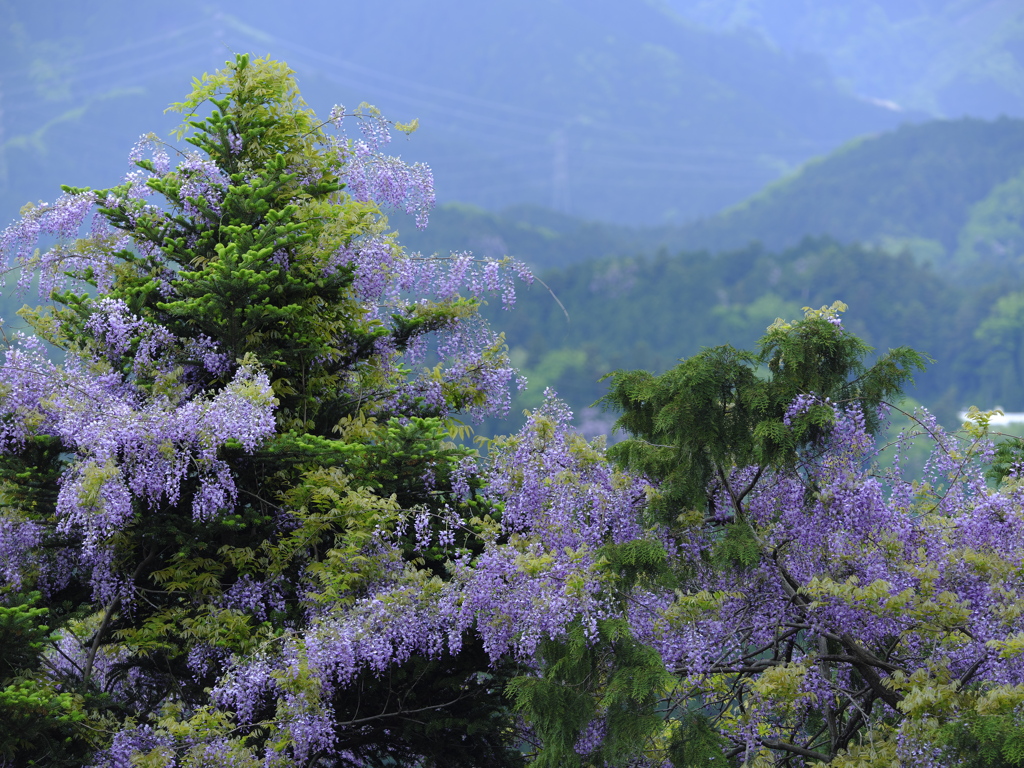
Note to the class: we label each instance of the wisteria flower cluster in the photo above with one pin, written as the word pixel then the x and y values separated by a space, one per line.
pixel 129 453
pixel 861 596
pixel 538 574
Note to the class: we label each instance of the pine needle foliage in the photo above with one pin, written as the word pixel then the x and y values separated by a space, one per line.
pixel 36 714
pixel 726 408
pixel 608 684
pixel 641 561
pixel 254 274
pixel 696 744
pixel 993 740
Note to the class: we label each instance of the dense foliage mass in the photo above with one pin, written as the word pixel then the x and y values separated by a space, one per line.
pixel 241 469
pixel 826 613
pixel 235 528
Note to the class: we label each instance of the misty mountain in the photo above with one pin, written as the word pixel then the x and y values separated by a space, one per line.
pixel 949 58
pixel 616 110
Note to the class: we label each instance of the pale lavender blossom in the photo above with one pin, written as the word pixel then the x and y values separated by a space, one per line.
pixel 18 540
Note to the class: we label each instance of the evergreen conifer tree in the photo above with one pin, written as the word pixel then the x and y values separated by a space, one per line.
pixel 244 438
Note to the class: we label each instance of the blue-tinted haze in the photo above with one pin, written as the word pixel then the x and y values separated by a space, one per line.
pixel 619 110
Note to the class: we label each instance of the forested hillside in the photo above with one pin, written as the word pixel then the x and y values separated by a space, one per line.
pixel 542 237
pixel 915 186
pixel 647 312
pixel 948 191
pixel 920 231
